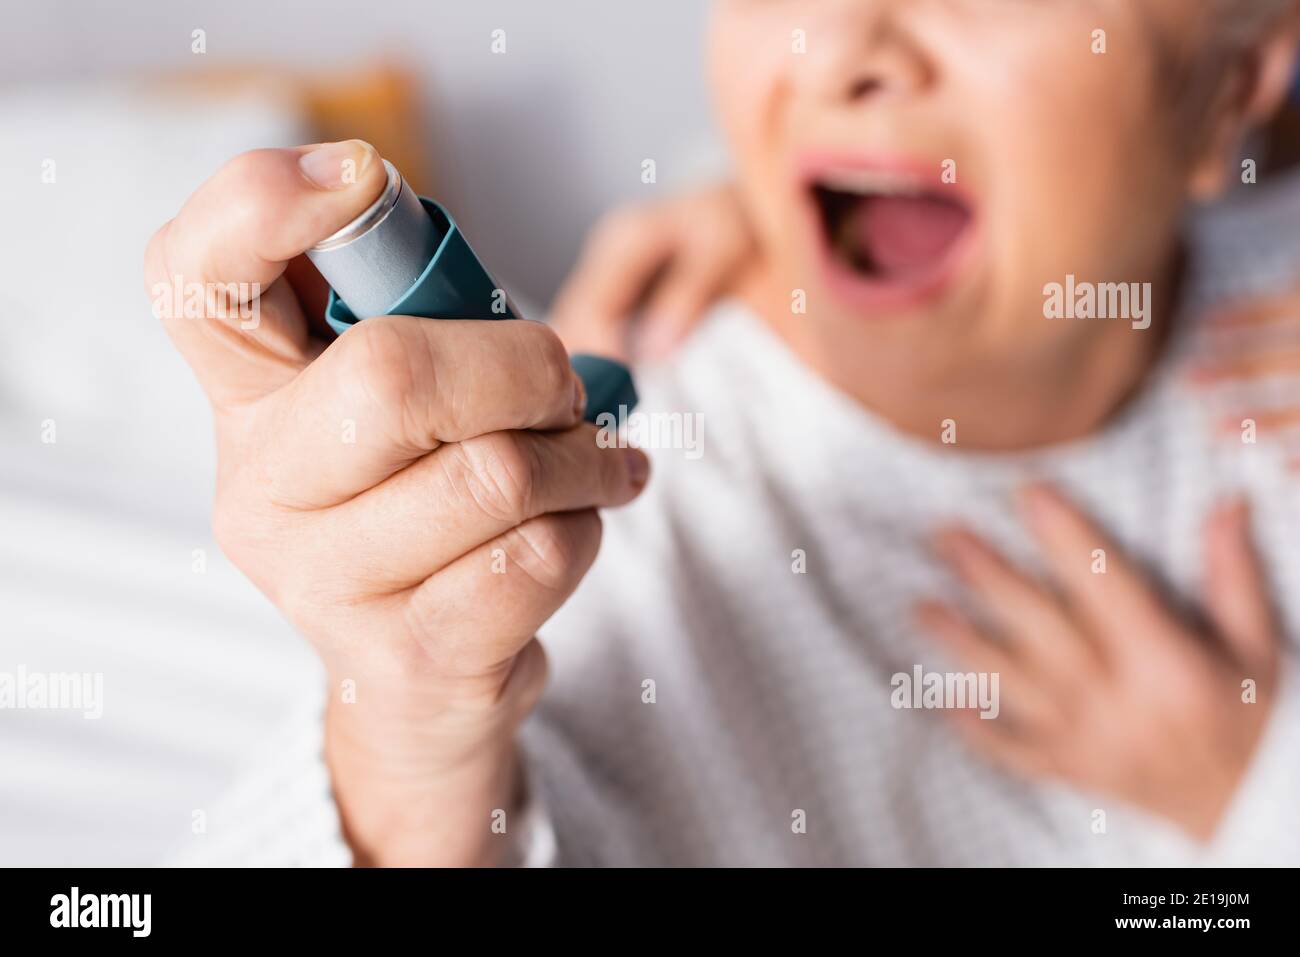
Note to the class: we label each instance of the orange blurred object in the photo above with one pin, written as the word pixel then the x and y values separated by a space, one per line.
pixel 379 104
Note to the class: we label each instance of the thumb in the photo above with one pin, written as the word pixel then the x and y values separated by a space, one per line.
pixel 214 272
pixel 1236 588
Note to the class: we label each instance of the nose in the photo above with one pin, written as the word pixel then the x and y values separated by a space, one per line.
pixel 862 50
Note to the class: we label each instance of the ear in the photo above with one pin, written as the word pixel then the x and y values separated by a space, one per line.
pixel 1256 84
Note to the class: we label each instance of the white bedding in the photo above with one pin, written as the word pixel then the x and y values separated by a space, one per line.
pixel 98 530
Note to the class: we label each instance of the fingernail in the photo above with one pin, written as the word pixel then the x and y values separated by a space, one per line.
pixel 638 467
pixel 336 165
pixel 579 398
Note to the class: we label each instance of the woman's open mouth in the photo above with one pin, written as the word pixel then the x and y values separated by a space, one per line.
pixel 890 238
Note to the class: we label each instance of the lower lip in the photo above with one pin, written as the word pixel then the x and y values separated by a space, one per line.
pixel 865 294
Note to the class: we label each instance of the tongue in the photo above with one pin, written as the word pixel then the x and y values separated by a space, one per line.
pixel 902 234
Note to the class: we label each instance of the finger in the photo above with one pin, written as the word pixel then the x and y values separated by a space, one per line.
pixel 715 242
pixel 1266 421
pixel 485 606
pixel 466 493
pixel 618 263
pixel 1100 582
pixel 1035 624
pixel 1257 312
pixel 1030 698
pixel 393 388
pixel 681 299
pixel 1236 590
pixel 1000 745
pixel 1255 365
pixel 233 237
pixel 312 292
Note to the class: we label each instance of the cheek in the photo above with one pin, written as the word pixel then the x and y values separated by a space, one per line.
pixel 1074 156
pixel 749 75
pixel 747 68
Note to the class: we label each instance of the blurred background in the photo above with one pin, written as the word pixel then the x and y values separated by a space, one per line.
pixel 589 104
pixel 108 120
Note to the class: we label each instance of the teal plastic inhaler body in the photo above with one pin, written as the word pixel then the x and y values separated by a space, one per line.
pixel 406 256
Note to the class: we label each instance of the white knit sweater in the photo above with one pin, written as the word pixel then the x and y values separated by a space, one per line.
pixel 771 688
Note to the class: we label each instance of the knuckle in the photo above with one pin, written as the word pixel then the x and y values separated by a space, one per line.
pixel 243 197
pixel 551 548
pixel 227 529
pixel 251 195
pixel 247 170
pixel 546 353
pixel 244 167
pixel 297 596
pixel 155 261
pixel 500 472
pixel 241 523
pixel 528 677
pixel 389 364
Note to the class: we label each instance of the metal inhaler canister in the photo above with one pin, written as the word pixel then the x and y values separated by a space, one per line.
pixel 406 256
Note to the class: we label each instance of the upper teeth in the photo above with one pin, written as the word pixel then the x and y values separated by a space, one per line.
pixel 870 182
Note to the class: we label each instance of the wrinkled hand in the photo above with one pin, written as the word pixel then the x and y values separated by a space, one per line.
pixel 417 496
pixel 647 274
pixel 1101 684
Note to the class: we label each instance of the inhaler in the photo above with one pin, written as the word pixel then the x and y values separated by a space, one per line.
pixel 405 255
